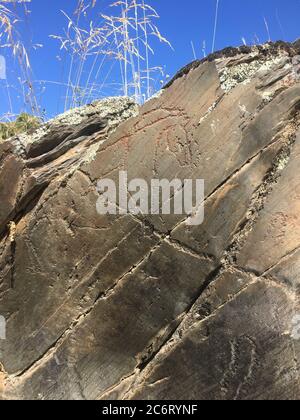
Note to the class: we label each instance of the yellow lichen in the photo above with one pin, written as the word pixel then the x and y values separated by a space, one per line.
pixel 12 231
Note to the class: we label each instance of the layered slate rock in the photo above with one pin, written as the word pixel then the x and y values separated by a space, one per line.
pixel 150 307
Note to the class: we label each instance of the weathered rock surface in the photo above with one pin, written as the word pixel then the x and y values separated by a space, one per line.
pixel 127 307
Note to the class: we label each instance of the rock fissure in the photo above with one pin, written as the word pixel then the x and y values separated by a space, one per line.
pixel 261 194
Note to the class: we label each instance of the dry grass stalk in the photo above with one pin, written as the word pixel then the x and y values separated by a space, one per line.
pixel 10 40
pixel 121 38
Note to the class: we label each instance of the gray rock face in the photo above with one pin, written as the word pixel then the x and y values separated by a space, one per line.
pixel 148 307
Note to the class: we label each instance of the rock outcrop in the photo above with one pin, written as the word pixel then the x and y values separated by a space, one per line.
pixel 148 307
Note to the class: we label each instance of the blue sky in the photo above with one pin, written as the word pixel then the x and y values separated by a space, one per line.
pixel 180 21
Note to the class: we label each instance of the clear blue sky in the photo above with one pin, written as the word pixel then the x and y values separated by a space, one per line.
pixel 181 22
